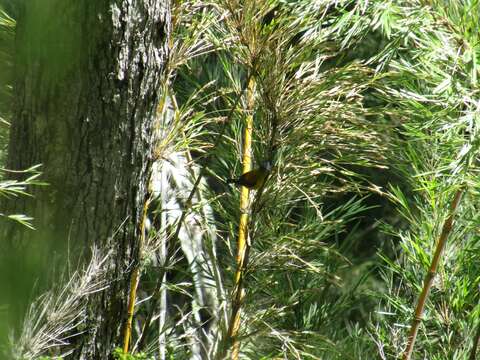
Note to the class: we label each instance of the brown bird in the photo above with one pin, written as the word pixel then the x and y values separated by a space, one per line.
pixel 253 179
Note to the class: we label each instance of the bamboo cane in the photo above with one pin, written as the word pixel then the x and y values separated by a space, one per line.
pixel 417 316
pixel 134 282
pixel 242 243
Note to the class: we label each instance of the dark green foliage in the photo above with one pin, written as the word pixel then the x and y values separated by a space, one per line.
pixel 118 354
pixel 7 34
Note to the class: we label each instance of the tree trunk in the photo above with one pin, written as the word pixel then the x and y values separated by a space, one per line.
pixel 86 92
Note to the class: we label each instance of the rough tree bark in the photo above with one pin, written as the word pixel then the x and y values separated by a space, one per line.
pixel 86 91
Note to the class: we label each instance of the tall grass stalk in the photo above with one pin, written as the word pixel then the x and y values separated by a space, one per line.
pixel 442 240
pixel 243 243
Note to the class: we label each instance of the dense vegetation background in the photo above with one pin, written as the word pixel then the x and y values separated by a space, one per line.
pixel 369 111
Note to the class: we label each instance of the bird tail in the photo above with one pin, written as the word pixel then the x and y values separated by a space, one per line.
pixel 232 181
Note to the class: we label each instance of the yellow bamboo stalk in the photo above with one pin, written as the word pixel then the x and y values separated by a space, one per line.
pixel 134 282
pixel 427 284
pixel 242 243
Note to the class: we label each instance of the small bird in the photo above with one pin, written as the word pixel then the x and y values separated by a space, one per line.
pixel 253 179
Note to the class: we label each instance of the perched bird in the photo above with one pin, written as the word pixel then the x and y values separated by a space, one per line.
pixel 253 179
